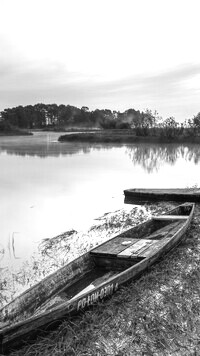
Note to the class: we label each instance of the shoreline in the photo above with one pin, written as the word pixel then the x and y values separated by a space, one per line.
pixel 15 133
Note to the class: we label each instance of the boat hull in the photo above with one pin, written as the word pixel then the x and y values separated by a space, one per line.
pixel 19 332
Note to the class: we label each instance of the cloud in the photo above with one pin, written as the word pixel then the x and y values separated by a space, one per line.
pixel 24 82
pixel 169 91
pixel 173 79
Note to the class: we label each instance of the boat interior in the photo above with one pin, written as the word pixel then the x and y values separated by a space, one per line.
pixel 135 244
pixel 124 251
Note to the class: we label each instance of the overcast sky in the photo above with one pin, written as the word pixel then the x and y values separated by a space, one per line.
pixel 114 54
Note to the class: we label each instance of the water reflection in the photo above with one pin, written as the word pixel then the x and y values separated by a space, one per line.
pixel 43 144
pixel 149 156
pixel 152 157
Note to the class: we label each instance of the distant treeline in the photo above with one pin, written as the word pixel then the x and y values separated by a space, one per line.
pixel 53 116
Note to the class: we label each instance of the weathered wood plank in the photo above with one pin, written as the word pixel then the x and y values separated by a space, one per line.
pixel 161 233
pixel 133 249
pixel 146 252
pixel 175 229
pixel 114 246
pixel 160 243
pixel 170 217
pixel 138 254
pixel 152 249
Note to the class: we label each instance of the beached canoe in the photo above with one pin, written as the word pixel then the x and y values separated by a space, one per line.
pixel 92 277
pixel 148 195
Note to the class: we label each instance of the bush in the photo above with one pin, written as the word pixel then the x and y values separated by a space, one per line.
pixel 5 126
pixel 108 124
pixel 123 126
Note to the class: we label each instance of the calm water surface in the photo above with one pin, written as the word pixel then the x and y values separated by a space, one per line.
pixel 47 187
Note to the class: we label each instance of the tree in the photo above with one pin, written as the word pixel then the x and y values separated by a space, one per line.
pixel 170 127
pixel 41 115
pixel 196 122
pixel 85 109
pixel 133 117
pixel 51 114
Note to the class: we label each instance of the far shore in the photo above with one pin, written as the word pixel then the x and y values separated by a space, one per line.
pixel 123 136
pixel 14 132
pixel 2 134
pixel 95 135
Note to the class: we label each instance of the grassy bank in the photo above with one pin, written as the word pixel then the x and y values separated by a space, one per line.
pixel 16 133
pixel 124 136
pixel 70 129
pixel 156 315
pixel 7 129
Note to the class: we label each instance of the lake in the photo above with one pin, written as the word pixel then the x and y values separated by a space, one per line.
pixel 47 187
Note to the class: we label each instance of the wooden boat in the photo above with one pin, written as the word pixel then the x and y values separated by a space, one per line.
pixel 92 277
pixel 146 195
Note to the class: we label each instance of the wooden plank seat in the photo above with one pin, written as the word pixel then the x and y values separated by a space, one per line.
pixel 170 217
pixel 114 246
pixel 133 249
pixel 136 248
pixel 156 246
pixel 146 247
pixel 146 251
pixel 106 255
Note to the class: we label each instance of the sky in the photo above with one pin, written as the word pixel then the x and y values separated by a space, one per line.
pixel 106 54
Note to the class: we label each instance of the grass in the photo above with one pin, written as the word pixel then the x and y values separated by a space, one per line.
pixel 154 316
pixel 7 129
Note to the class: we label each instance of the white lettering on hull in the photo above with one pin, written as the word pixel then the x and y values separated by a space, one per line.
pixel 97 295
